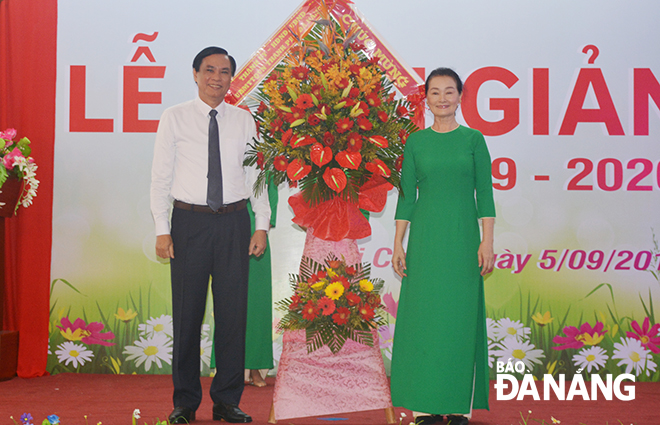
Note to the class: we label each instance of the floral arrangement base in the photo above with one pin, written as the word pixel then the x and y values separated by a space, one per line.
pixel 320 383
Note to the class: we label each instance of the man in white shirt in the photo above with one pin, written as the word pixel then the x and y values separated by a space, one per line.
pixel 209 234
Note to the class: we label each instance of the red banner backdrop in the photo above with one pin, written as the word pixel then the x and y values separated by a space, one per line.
pixel 28 41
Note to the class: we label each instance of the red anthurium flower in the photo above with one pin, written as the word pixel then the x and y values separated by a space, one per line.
pixel 353 299
pixel 373 100
pixel 402 111
pixel 378 167
pixel 310 311
pixel 379 141
pixel 343 125
pixel 354 143
pixel 327 306
pixel 297 170
pixel 300 72
pixel 302 141
pixel 347 159
pixel 260 160
pixel 320 155
pixel 280 163
pixel 647 335
pixel 382 115
pixel 313 120
pixel 335 179
pixel 328 139
pixel 304 101
pixel 341 316
pixel 364 123
pixel 366 312
pixel 398 163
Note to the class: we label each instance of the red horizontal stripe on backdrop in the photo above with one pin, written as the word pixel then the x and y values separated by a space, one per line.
pixel 28 40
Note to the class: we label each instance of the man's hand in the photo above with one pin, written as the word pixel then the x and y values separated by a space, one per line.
pixel 258 242
pixel 164 246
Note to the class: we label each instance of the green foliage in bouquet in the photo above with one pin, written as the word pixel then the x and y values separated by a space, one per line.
pixel 333 302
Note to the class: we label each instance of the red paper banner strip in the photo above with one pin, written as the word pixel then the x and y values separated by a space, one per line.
pixel 301 21
pixel 273 51
pixel 404 78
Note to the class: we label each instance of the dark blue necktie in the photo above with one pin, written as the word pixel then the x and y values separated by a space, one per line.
pixel 214 176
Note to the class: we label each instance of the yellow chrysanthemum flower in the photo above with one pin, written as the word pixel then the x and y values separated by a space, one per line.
pixel 542 320
pixel 334 290
pixel 125 316
pixel 366 285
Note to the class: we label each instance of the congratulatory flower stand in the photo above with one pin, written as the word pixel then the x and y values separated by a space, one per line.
pixel 17 187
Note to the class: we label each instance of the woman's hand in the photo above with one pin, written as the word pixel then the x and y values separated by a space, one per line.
pixel 399 260
pixel 486 257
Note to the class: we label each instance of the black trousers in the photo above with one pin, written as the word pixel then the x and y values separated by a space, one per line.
pixel 216 246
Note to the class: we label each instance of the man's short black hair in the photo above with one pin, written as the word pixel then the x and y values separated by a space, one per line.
pixel 212 50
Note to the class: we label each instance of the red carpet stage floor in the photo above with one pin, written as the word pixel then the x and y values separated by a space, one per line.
pixel 111 400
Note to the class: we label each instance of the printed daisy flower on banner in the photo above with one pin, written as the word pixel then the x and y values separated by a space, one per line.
pixel 578 338
pixel 490 328
pixel 633 356
pixel 156 326
pixel 205 348
pixel 507 328
pixel 647 335
pixel 514 350
pixel 492 348
pixel 149 350
pixel 71 353
pixel 590 358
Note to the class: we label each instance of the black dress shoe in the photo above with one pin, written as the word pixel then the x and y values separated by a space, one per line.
pixel 230 413
pixel 182 415
pixel 457 420
pixel 428 419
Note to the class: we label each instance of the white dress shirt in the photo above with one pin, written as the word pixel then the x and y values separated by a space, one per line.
pixel 180 160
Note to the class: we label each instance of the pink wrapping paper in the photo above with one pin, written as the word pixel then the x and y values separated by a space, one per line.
pixel 320 383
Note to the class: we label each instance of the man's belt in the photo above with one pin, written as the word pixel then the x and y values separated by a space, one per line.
pixel 236 206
